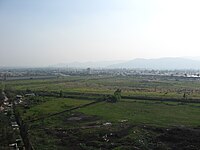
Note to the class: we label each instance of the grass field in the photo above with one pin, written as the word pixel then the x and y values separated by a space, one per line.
pixel 51 105
pixel 128 124
pixel 138 113
pixel 131 86
pixel 147 112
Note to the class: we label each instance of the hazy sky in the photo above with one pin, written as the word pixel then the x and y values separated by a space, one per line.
pixel 44 32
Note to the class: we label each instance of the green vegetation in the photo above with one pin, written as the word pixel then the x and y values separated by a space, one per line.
pixel 6 132
pixel 50 105
pixel 147 110
pixel 146 86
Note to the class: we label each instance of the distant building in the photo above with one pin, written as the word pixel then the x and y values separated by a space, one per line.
pixel 88 71
pixel 18 99
pixel 14 124
pixel 4 76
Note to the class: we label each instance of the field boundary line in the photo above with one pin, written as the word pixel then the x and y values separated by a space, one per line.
pixel 64 111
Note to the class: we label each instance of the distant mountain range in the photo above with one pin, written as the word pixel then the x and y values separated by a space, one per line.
pixel 161 63
pixel 140 63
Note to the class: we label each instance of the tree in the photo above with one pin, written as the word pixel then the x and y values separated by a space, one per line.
pixel 117 94
pixel 184 96
pixel 61 93
pixel 114 98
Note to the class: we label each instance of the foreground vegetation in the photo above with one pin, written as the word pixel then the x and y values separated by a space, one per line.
pixel 155 112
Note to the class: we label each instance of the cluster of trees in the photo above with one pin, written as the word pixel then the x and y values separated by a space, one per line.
pixel 114 98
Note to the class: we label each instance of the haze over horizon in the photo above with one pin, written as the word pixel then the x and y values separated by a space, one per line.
pixel 42 33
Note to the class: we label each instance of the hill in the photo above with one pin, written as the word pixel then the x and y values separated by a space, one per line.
pixel 160 63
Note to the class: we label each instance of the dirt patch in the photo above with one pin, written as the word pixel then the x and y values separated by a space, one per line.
pixel 80 117
pixel 174 138
pixel 74 118
pixel 181 138
pixel 89 134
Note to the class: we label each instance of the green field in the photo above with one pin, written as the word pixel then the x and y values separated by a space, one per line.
pixel 138 112
pixel 162 87
pixel 51 105
pixel 161 111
